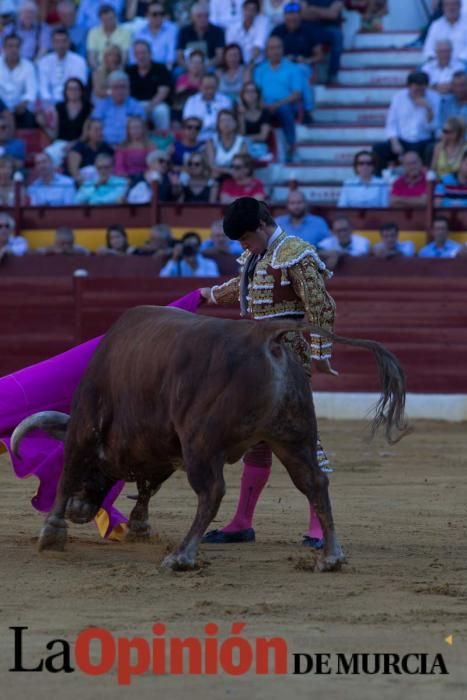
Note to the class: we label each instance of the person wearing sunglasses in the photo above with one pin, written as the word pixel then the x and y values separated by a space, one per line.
pixel 364 189
pixel 158 169
pixel 200 186
pixel 187 141
pixel 160 34
pixel 9 243
pixel 449 152
pixel 202 35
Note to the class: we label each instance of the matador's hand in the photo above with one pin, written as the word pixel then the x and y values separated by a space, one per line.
pixel 206 294
pixel 324 367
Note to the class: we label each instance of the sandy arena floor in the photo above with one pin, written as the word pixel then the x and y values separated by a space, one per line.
pixel 401 515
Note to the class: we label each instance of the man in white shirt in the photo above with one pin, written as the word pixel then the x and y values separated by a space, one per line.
pixel 251 32
pixel 160 34
pixel 343 242
pixel 9 243
pixel 452 25
pixel 50 188
pixel 18 82
pixel 441 69
pixel 223 13
pixel 412 121
pixel 206 105
pixel 57 67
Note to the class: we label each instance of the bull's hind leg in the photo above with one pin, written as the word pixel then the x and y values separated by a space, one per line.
pixel 302 465
pixel 207 480
pixel 138 524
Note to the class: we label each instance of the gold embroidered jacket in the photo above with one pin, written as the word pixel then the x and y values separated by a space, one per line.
pixel 287 281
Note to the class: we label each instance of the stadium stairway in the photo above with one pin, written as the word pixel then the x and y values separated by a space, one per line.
pixel 349 116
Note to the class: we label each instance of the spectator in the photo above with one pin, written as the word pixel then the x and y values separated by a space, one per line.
pixel 189 83
pixel 160 34
pixel 343 242
pixel 280 84
pixel 88 11
pixel 198 186
pixel 7 185
pixel 451 26
pixel 105 188
pixel 35 35
pixel 441 69
pixel 82 157
pixel 112 61
pixel 108 33
pixel 50 188
pixel 186 261
pixel 449 152
pixel 250 32
pixel 242 184
pixel 365 189
pixel 201 35
pixel 157 170
pixel 69 116
pixel 64 244
pixel 116 242
pixel 130 156
pixel 254 121
pixel 412 120
pixel 326 18
pixel 9 243
pixel 455 104
pixel 225 144
pixel 452 190
pixel 410 189
pixel 390 245
pixel 302 45
pixel 115 110
pixel 188 141
pixel 206 105
pixel 218 243
pixel 299 222
pixel 66 12
pixel 55 68
pixel 9 145
pixel 232 73
pixel 150 84
pixel 372 11
pixel 136 8
pixel 223 14
pixel 441 245
pixel 18 81
pixel 159 244
pixel 274 10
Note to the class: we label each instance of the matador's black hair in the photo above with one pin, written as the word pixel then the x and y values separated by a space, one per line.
pixel 245 215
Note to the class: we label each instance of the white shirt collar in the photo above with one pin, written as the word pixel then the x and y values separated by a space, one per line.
pixel 274 236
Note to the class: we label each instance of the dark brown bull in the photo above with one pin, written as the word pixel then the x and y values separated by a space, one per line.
pixel 166 389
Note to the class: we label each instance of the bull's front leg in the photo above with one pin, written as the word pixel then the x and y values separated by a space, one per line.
pixel 138 524
pixel 207 480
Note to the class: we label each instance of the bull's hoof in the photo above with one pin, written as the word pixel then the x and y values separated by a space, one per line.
pixel 53 535
pixel 79 511
pixel 179 562
pixel 138 531
pixel 330 562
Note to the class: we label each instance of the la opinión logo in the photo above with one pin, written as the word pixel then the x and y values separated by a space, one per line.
pixel 97 652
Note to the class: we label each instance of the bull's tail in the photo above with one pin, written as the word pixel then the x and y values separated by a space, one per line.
pixel 389 410
pixel 53 423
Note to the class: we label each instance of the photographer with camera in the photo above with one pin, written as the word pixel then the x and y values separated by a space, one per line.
pixel 186 261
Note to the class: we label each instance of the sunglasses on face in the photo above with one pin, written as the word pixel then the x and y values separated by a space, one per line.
pixel 193 127
pixel 195 162
pixel 364 162
pixel 156 13
pixel 162 160
pixel 4 225
pixel 447 131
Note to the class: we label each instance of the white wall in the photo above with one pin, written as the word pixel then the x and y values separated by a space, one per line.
pixel 406 15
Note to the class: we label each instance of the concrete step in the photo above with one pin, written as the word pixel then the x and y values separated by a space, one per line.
pixel 351 96
pixel 383 40
pixel 360 115
pixel 325 194
pixel 410 58
pixel 373 76
pixel 308 173
pixel 330 154
pixel 336 133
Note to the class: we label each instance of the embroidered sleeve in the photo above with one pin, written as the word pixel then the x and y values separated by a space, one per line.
pixel 308 284
pixel 227 293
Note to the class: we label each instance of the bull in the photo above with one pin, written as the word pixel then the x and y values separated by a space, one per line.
pixel 169 390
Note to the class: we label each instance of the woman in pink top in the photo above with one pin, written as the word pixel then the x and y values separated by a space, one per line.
pixel 130 156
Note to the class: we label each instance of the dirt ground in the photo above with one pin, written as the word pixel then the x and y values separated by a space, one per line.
pixel 401 515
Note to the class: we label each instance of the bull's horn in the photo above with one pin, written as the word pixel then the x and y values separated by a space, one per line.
pixel 53 423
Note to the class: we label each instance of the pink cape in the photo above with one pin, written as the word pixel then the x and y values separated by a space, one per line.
pixel 46 386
